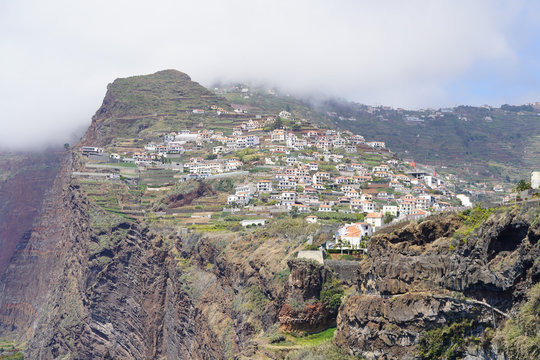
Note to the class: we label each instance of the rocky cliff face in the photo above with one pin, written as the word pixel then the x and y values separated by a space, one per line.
pixel 430 275
pixel 118 289
pixel 390 328
pixel 303 310
pixel 38 210
pixel 24 180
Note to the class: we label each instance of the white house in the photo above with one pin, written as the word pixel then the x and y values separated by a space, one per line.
pixel 312 219
pixel 248 187
pixel 356 204
pixel 354 233
pixel 258 222
pixel 375 219
pixel 232 199
pixel 288 198
pixel 264 186
pixel 535 180
pixel 325 208
pixel 302 209
pixel 390 209
pixel 368 206
pixel 278 135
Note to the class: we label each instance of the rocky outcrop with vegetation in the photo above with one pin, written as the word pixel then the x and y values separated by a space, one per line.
pixel 421 279
pixel 313 297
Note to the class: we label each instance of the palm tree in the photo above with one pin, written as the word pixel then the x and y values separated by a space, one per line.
pixel 348 244
pixel 340 244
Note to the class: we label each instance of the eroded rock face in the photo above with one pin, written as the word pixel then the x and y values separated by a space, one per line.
pixel 311 318
pixel 495 263
pixel 416 278
pixel 306 279
pixel 302 310
pixel 389 328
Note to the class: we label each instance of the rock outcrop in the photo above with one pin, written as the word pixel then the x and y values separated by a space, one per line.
pixel 303 310
pixel 390 328
pixel 427 275
pixel 493 263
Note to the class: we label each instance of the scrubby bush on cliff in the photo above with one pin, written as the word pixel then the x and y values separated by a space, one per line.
pixel 331 294
pixel 520 337
pixel 447 342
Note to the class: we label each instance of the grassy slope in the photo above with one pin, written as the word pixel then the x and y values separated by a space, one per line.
pixel 142 106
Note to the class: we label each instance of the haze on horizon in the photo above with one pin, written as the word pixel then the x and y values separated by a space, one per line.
pixel 58 56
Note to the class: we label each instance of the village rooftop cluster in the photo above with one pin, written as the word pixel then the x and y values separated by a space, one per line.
pixel 300 169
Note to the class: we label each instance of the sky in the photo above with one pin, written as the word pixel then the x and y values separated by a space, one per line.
pixel 58 56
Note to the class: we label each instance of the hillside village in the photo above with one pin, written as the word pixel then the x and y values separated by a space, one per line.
pixel 276 164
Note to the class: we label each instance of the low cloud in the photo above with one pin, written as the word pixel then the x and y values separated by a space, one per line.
pixel 58 56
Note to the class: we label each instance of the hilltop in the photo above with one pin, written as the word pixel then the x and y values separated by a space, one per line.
pixel 138 105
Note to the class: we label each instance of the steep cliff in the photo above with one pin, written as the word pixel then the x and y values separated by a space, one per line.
pixel 25 281
pixel 24 180
pixel 133 290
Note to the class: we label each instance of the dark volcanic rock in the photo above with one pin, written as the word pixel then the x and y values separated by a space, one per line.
pixel 418 277
pixel 493 263
pixel 304 289
pixel 389 328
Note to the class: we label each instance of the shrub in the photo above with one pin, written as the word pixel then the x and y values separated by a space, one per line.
pixel 446 342
pixel 519 337
pixel 331 294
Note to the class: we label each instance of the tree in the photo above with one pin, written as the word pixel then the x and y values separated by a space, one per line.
pixel 278 124
pixel 522 185
pixel 66 146
pixel 388 218
pixel 340 244
pixel 331 294
pixel 348 244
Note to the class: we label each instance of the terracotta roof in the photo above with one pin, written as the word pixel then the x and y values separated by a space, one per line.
pixel 374 215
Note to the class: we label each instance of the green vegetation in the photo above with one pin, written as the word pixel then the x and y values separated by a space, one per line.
pixel 10 351
pixel 291 227
pixel 314 339
pixel 282 275
pixel 447 342
pixel 522 185
pixel 507 138
pixel 331 294
pixel 141 106
pixel 339 217
pixel 388 218
pixel 520 337
pixel 14 356
pixel 250 300
pixel 473 218
pixel 326 350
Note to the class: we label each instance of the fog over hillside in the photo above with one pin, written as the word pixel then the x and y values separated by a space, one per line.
pixel 62 54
